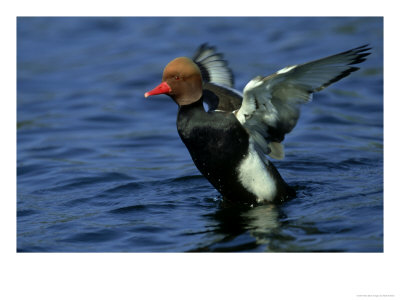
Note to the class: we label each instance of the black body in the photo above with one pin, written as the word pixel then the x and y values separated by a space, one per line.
pixel 217 143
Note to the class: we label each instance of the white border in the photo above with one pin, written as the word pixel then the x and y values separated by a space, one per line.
pixel 197 276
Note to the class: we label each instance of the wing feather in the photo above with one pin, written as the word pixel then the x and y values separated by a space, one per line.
pixel 213 67
pixel 271 105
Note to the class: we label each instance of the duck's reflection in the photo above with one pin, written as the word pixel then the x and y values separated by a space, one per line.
pixel 244 228
pixel 262 220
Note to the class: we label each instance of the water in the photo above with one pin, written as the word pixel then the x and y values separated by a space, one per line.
pixel 99 168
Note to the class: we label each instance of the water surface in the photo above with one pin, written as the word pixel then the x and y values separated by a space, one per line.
pixel 99 168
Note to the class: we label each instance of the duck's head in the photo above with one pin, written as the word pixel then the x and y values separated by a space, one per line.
pixel 181 81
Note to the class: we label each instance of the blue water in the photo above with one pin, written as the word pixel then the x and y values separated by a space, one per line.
pixel 99 168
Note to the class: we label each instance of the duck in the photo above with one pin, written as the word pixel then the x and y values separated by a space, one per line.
pixel 231 135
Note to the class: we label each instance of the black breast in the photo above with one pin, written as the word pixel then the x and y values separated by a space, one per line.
pixel 217 143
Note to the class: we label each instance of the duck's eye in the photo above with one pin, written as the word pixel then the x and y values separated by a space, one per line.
pixel 176 77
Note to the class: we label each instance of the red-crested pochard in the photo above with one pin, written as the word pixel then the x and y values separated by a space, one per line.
pixel 229 142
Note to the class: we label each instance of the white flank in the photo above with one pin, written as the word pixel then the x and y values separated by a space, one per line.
pixel 255 177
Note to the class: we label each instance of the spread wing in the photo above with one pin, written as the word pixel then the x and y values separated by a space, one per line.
pixel 218 80
pixel 271 105
pixel 213 67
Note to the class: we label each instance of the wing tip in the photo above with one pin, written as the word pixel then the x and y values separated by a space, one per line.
pixel 360 54
pixel 356 56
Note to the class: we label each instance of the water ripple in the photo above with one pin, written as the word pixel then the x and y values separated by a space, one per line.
pixel 99 168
